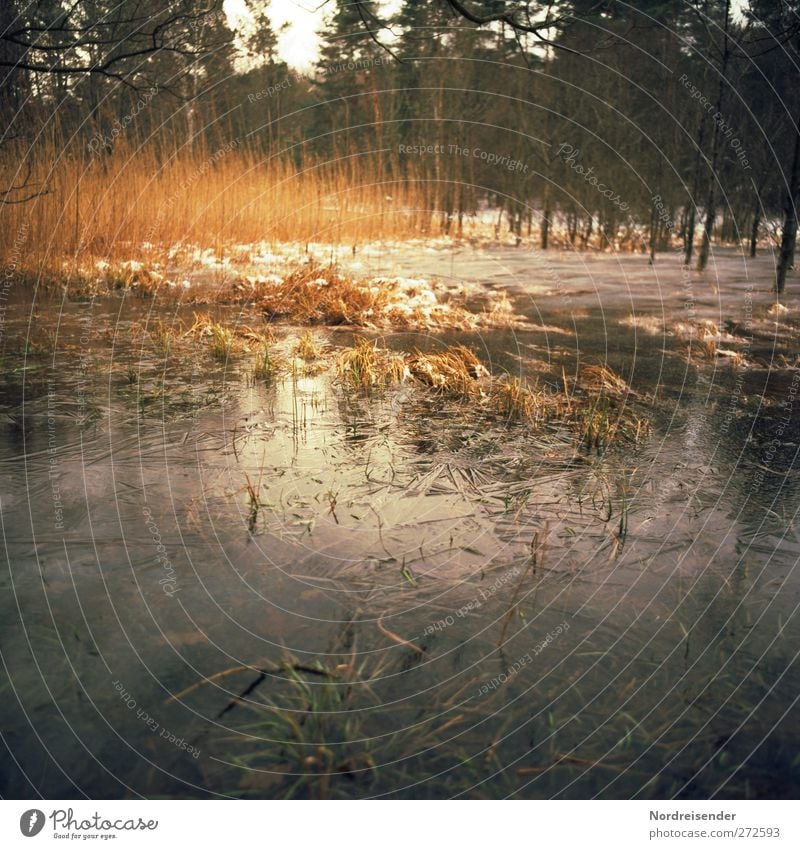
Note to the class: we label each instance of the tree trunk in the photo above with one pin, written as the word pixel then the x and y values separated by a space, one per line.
pixel 789 237
pixel 573 227
pixel 587 233
pixel 545 230
pixel 653 243
pixel 691 218
pixel 688 241
pixel 754 229
pixel 609 230
pixel 665 232
pixel 711 200
pixel 499 222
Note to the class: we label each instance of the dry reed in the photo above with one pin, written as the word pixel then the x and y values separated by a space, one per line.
pixel 140 203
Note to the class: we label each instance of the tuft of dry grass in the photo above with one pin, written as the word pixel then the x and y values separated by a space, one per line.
pixel 454 371
pixel 226 341
pixel 603 379
pixel 603 414
pixel 162 336
pixel 513 399
pixel 365 365
pixel 702 339
pixel 221 342
pixel 307 348
pixel 323 295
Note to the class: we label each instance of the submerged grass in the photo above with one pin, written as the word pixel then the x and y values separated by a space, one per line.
pixel 264 367
pixel 598 407
pixel 40 343
pixel 310 737
pixel 322 731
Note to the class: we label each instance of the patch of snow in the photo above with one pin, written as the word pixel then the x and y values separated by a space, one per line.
pixel 648 323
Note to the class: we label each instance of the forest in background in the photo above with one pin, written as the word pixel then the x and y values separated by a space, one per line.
pixel 668 126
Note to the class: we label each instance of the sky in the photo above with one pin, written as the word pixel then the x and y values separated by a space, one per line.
pixel 298 43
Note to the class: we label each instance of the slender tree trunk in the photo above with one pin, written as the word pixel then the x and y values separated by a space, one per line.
pixel 545 230
pixel 755 226
pixel 711 200
pixel 609 229
pixel 665 232
pixel 518 226
pixel 684 221
pixel 789 237
pixel 499 222
pixel 711 209
pixel 587 233
pixel 653 233
pixel 688 241
pixel 691 218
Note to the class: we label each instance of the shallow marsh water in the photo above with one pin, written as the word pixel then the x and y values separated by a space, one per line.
pixel 460 608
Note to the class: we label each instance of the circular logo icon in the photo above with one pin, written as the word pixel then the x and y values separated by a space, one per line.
pixel 31 822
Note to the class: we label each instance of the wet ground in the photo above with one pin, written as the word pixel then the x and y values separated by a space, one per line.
pixel 416 603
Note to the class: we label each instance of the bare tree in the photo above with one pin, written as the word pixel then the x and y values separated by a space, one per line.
pixel 51 46
pixel 92 37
